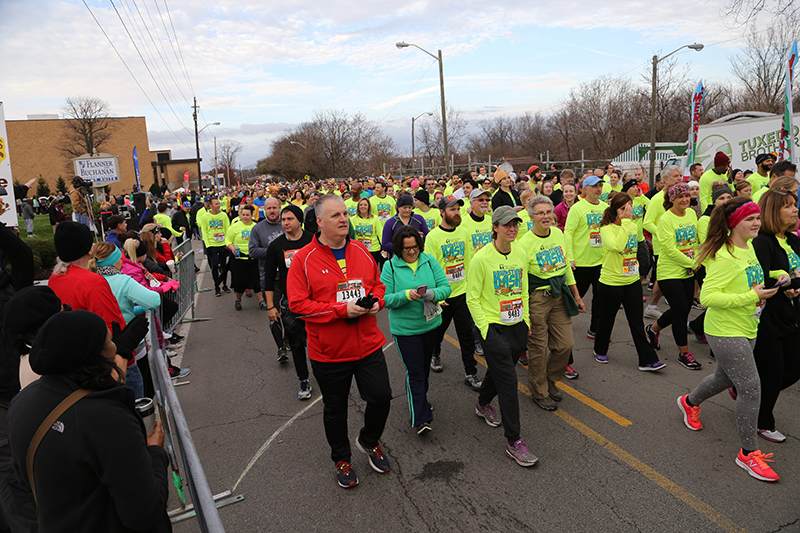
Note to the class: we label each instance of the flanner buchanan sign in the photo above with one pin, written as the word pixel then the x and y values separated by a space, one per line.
pixel 100 169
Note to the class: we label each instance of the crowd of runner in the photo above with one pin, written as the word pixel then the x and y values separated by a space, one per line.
pixel 506 258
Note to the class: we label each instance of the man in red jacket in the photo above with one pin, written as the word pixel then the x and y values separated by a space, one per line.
pixel 325 280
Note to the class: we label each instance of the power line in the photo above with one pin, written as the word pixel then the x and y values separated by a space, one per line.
pixel 132 75
pixel 145 64
pixel 186 71
pixel 172 46
pixel 409 91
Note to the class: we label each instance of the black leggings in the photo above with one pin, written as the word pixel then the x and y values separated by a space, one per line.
pixel 778 363
pixel 630 296
pixel 217 257
pixel 584 278
pixel 679 293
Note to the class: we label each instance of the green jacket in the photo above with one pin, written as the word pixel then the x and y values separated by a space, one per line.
pixel 406 317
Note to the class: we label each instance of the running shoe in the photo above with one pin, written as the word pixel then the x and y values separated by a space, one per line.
pixel 697 305
pixel 175 338
pixel 345 475
pixel 691 415
pixel 178 373
pixel 755 463
pixel 225 289
pixel 248 293
pixel 701 337
pixel 546 403
pixel 436 364
pixel 377 460
pixel 652 336
pixel 652 367
pixel 732 392
pixel 305 390
pixel 488 413
pixel 262 306
pixel 590 334
pixel 651 311
pixel 523 359
pixel 688 360
pixel 772 435
pixel 571 373
pixel 424 428
pixel 521 454
pixel 603 359
pixel 283 356
pixel 217 292
pixel 478 349
pixel 473 381
pixel 238 305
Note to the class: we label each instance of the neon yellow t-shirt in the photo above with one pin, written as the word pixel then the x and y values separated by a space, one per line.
pixel 214 229
pixel 384 208
pixel 238 235
pixel 497 288
pixel 479 233
pixel 368 231
pixel 655 209
pixel 620 244
pixel 582 233
pixel 679 245
pixel 432 218
pixel 639 205
pixel 166 222
pixel 708 177
pixel 547 256
pixel 607 188
pixel 757 181
pixel 449 249
pixel 733 307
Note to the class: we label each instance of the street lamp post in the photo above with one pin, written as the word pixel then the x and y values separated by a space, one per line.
pixel 197 145
pixel 413 153
pixel 653 100
pixel 438 58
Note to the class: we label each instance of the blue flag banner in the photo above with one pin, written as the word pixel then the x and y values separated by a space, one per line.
pixel 136 168
pixel 787 128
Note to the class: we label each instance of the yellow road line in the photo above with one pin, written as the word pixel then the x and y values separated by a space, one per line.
pixel 597 406
pixel 662 481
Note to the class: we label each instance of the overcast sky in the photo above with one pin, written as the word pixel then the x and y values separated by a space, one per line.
pixel 260 68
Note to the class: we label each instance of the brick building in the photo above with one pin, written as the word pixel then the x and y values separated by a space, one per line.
pixel 34 149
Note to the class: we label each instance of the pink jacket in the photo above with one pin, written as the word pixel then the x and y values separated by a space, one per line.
pixel 561 211
pixel 139 273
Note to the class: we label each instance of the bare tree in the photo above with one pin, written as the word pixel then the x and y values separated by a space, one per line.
pixel 759 66
pixel 742 12
pixel 430 138
pixel 228 151
pixel 87 125
pixel 332 145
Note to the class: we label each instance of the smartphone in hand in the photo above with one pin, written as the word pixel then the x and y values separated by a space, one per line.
pixel 422 289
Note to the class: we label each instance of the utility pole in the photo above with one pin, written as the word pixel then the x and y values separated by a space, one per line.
pixel 444 117
pixel 197 146
pixel 215 159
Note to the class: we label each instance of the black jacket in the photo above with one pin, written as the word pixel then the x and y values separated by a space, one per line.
pixel 94 471
pixel 503 198
pixel 781 316
pixel 180 220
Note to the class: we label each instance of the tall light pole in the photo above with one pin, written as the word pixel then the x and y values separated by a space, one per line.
pixel 413 152
pixel 403 44
pixel 653 102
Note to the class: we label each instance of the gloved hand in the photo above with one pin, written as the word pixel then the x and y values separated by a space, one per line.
pixel 129 338
pixel 428 296
pixel 172 285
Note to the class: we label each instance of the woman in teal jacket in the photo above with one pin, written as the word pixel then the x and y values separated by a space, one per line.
pixel 415 283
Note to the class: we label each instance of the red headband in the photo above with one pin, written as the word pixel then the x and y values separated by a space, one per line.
pixel 744 211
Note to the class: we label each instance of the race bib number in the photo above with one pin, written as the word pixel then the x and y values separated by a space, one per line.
pixel 630 267
pixel 689 252
pixel 511 311
pixel 366 242
pixel 349 291
pixel 759 309
pixel 594 240
pixel 219 237
pixel 455 273
pixel 287 257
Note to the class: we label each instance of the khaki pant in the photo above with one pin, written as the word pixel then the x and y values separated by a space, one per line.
pixel 551 327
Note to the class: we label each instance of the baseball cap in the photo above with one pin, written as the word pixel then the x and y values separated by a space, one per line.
pixel 504 214
pixel 477 192
pixel 449 201
pixel 592 180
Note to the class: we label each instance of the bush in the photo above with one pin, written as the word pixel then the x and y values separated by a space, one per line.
pixel 44 256
pixel 155 190
pixel 61 185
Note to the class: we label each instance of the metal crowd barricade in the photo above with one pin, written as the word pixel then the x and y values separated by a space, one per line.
pixel 184 273
pixel 178 438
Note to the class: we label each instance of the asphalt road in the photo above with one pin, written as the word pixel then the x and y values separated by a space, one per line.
pixel 615 457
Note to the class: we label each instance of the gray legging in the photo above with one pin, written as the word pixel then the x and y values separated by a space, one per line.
pixel 736 367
